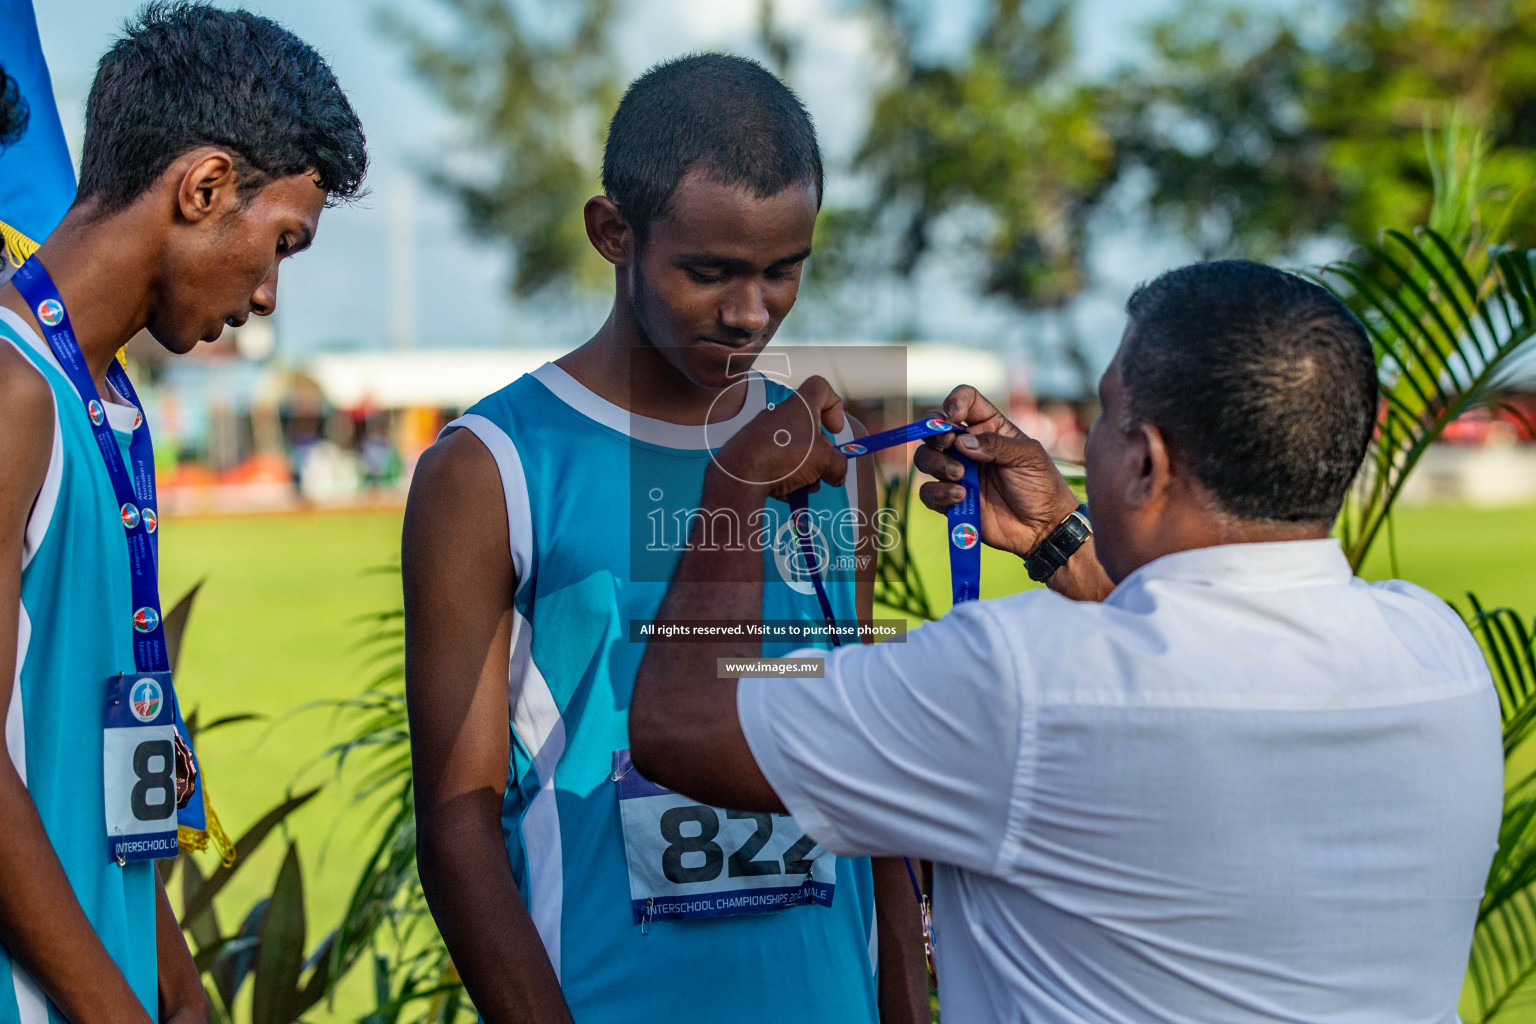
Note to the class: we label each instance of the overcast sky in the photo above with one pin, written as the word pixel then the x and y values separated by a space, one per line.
pixel 339 292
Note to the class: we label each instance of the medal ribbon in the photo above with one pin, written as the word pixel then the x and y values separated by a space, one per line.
pixel 135 491
pixel 964 523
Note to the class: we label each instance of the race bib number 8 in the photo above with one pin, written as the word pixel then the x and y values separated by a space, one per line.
pixel 688 860
pixel 139 767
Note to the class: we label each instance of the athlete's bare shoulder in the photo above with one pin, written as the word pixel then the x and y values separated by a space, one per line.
pixel 456 469
pixel 456 500
pixel 26 429
pixel 27 400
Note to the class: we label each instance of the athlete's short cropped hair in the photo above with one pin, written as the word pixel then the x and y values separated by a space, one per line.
pixel 13 110
pixel 1262 381
pixel 728 115
pixel 187 74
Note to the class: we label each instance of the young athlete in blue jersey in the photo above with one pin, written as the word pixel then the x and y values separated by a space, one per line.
pixel 213 141
pixel 541 532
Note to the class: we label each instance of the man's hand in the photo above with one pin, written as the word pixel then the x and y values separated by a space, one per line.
pixel 783 449
pixel 1023 495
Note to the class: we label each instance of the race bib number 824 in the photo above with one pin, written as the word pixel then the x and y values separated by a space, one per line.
pixel 688 860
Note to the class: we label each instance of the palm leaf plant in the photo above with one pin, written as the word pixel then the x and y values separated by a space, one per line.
pixel 1447 312
pixel 414 980
pixel 1503 958
pixel 269 947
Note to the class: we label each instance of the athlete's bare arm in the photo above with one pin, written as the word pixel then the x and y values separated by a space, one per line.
pixel 898 922
pixel 182 999
pixel 459 581
pixel 41 923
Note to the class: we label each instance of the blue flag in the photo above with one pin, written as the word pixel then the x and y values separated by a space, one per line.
pixel 37 179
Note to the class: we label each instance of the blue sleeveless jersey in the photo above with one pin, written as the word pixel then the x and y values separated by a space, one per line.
pixel 75 633
pixel 593 498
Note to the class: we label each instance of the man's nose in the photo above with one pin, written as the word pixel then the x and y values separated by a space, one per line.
pixel 744 308
pixel 264 298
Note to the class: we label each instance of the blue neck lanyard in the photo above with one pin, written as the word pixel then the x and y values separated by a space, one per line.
pixel 964 518
pixel 964 569
pixel 135 490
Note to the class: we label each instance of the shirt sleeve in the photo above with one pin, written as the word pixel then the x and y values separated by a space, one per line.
pixel 904 748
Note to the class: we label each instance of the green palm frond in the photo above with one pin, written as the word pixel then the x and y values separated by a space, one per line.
pixel 1504 945
pixel 1445 321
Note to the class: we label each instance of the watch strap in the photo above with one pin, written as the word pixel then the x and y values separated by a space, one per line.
pixel 1060 546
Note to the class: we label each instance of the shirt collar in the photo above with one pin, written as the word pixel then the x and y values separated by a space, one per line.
pixel 1273 565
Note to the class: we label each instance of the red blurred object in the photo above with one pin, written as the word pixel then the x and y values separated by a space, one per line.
pixel 1479 426
pixel 259 469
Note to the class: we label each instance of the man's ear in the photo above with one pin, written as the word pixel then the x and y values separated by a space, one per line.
pixel 608 231
pixel 1151 467
pixel 208 185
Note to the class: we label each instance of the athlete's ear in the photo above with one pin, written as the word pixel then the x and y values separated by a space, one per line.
pixel 208 184
pixel 609 232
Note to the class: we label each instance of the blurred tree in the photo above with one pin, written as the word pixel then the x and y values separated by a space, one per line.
pixel 1260 130
pixel 535 81
pixel 1001 146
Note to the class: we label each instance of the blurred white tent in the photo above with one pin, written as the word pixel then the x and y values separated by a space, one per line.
pixel 457 378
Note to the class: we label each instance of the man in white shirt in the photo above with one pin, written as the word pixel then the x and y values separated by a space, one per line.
pixel 1206 776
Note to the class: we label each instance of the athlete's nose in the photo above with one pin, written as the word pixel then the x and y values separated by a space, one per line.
pixel 264 298
pixel 744 309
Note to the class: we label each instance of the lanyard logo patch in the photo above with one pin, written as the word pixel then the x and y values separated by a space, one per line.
pixel 98 414
pixel 130 516
pixel 144 700
pixel 145 620
pixel 852 449
pixel 939 425
pixel 150 522
pixel 50 312
pixel 964 536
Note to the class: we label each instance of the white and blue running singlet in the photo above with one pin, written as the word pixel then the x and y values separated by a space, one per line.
pixel 595 507
pixel 74 633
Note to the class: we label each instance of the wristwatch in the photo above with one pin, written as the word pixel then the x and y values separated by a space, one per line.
pixel 1054 551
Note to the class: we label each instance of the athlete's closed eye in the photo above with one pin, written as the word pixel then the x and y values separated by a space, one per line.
pixel 786 271
pixel 291 245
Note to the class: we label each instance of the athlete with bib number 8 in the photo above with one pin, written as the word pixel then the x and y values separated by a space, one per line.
pixel 213 141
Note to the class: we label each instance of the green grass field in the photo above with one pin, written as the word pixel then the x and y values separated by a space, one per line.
pixel 275 629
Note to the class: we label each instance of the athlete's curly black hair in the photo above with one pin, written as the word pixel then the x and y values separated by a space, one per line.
pixel 13 110
pixel 187 74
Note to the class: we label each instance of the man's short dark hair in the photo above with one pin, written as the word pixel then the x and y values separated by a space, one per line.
pixel 186 75
pixel 13 110
pixel 1262 381
pixel 728 115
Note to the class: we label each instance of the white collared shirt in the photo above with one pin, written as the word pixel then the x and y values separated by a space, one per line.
pixel 1246 787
